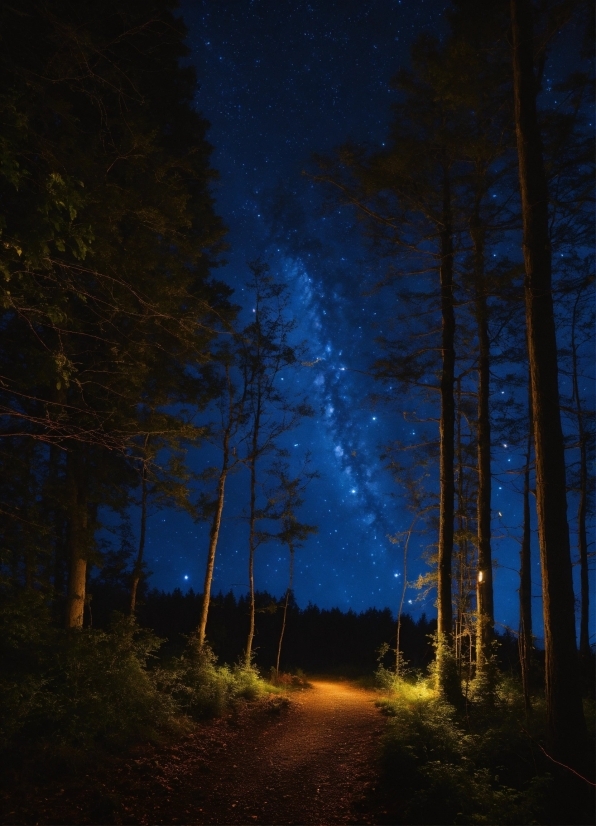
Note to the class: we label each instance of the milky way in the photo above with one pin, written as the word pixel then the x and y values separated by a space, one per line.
pixel 280 81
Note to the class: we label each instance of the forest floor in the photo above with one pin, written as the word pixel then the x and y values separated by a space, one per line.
pixel 308 758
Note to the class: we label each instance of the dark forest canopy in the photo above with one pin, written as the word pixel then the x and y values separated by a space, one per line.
pixel 324 641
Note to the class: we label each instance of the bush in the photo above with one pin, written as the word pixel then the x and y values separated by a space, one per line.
pixel 103 690
pixel 77 686
pixel 87 686
pixel 456 769
pixel 204 689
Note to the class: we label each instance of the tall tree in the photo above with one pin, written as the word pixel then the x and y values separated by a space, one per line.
pixel 265 351
pixel 109 236
pixel 409 194
pixel 231 408
pixel 563 696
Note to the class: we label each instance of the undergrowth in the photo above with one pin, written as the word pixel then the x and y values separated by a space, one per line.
pixel 77 689
pixel 481 764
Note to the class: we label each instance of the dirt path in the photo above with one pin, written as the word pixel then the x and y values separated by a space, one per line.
pixel 307 762
pixel 309 768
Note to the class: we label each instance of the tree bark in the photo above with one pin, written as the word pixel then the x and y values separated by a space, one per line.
pixel 213 539
pixel 485 602
pixel 252 540
pixel 525 576
pixel 136 576
pixel 77 539
pixel 285 614
pixel 563 697
pixel 446 436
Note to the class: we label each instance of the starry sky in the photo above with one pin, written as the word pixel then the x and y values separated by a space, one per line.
pixel 279 81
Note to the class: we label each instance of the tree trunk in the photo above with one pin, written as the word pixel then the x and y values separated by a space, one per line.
pixel 582 535
pixel 57 517
pixel 213 539
pixel 398 654
pixel 136 576
pixel 563 697
pixel 525 576
pixel 77 539
pixel 446 458
pixel 461 591
pixel 252 539
pixel 285 615
pixel 485 603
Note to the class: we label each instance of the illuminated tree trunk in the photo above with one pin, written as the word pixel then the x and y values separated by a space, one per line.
pixel 213 539
pixel 77 539
pixel 252 538
pixel 445 662
pixel 285 614
pixel 563 697
pixel 461 591
pixel 485 605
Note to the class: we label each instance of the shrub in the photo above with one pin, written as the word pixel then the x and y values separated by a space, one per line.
pixel 458 769
pixel 77 686
pixel 204 689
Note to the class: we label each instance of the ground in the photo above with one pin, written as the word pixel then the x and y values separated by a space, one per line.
pixel 311 759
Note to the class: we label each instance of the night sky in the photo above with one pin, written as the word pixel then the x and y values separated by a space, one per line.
pixel 280 81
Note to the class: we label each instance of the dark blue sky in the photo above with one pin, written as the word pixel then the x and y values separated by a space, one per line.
pixel 280 81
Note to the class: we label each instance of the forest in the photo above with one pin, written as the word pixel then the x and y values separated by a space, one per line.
pixel 124 356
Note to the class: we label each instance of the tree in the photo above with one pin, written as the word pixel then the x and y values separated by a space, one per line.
pixel 265 351
pixel 564 706
pixel 409 193
pixel 109 236
pixel 231 409
pixel 286 500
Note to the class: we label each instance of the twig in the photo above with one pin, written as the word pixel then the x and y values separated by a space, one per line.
pixel 546 754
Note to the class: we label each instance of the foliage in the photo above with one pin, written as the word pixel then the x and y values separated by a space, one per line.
pixel 87 687
pixel 204 689
pixel 77 687
pixel 483 765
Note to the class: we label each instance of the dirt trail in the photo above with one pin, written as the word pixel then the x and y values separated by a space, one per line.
pixel 310 768
pixel 311 761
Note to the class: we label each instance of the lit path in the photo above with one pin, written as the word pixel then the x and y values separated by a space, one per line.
pixel 307 768
pixel 307 763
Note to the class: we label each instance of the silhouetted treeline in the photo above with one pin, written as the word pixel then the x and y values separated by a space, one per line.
pixel 316 640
